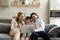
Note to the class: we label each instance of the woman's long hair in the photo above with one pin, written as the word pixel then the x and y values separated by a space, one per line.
pixel 17 19
pixel 34 14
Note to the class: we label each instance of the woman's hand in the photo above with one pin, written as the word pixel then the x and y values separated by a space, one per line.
pixel 21 29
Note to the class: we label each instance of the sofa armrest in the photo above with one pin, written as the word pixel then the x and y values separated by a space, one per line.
pixel 48 27
pixel 54 31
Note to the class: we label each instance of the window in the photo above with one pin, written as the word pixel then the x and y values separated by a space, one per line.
pixel 58 4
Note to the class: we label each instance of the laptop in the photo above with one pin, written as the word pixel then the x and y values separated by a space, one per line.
pixel 28 29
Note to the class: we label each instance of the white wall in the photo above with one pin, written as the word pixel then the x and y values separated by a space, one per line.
pixel 9 12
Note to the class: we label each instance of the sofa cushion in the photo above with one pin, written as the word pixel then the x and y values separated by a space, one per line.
pixel 50 38
pixel 48 27
pixel 5 37
pixel 55 38
pixel 4 28
pixel 40 38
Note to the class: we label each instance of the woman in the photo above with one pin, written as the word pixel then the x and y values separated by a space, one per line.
pixel 16 26
pixel 39 28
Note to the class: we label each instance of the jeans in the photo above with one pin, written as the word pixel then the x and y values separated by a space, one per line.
pixel 35 35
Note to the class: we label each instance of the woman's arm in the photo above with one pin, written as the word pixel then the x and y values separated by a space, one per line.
pixel 40 25
pixel 13 26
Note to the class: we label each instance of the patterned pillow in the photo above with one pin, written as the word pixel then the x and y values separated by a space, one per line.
pixel 54 31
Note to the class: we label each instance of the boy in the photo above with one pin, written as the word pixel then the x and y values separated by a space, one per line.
pixel 27 28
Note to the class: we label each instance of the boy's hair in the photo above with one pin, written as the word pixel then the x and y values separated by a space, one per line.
pixel 27 17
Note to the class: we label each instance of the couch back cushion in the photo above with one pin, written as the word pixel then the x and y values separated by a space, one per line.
pixel 4 28
pixel 48 27
pixel 5 20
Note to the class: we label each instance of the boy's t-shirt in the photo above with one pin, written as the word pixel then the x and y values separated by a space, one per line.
pixel 39 25
pixel 27 30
